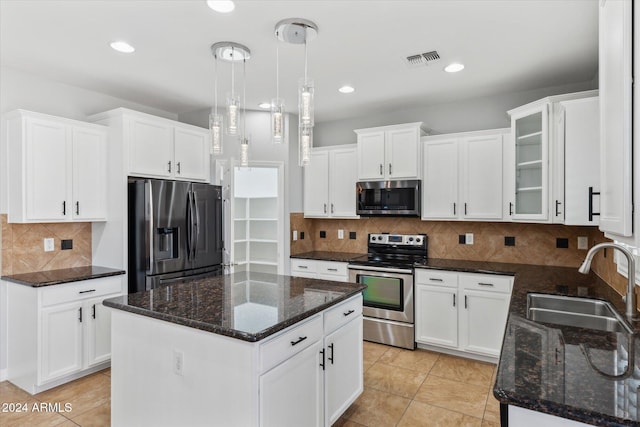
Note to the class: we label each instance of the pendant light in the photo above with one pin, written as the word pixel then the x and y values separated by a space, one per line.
pixel 300 31
pixel 215 119
pixel 277 107
pixel 244 138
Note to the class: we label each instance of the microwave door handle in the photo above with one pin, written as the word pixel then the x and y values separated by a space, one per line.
pixel 148 208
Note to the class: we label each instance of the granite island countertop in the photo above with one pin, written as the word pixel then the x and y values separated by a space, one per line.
pixel 561 370
pixel 66 275
pixel 247 306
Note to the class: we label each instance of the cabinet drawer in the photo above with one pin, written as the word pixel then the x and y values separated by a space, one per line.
pixel 75 291
pixel 303 265
pixel 342 313
pixel 290 343
pixel 486 282
pixel 436 277
pixel 332 268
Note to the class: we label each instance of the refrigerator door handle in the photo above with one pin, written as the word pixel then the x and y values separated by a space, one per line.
pixel 196 225
pixel 148 247
pixel 189 226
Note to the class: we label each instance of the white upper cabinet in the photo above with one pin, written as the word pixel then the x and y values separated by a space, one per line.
pixel 389 152
pixel 57 169
pixel 155 147
pixel 615 86
pixel 463 175
pixel 330 183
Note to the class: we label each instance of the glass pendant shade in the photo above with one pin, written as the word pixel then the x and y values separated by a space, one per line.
pixel 233 111
pixel 244 151
pixel 305 102
pixel 277 120
pixel 216 129
pixel 305 138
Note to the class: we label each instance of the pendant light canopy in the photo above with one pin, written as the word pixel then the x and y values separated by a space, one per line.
pixel 301 31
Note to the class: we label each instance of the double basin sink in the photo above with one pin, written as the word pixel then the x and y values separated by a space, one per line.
pixel 574 311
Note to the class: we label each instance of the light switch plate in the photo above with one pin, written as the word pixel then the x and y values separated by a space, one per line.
pixel 340 234
pixel 295 235
pixel 469 238
pixel 48 244
pixel 583 242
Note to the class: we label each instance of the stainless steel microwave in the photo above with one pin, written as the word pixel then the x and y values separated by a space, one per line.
pixel 388 198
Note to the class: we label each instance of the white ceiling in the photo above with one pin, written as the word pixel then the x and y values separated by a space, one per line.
pixel 506 46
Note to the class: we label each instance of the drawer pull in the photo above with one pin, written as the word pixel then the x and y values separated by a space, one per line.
pixel 300 339
pixel 302 266
pixel 485 284
pixel 332 269
pixel 87 291
pixel 348 313
pixel 433 279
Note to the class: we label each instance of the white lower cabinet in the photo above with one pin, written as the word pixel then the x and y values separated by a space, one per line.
pixel 316 269
pixel 464 312
pixel 60 332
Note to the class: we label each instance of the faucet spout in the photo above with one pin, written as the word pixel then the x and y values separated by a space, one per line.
pixel 630 298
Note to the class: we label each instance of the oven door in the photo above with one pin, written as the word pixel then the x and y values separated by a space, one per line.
pixel 389 293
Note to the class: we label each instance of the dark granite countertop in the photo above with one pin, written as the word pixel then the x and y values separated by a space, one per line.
pixel 560 370
pixel 65 275
pixel 247 306
pixel 328 256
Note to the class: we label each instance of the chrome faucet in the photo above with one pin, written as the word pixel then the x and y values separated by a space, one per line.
pixel 630 299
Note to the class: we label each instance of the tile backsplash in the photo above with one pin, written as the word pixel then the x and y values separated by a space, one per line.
pixel 492 241
pixel 23 250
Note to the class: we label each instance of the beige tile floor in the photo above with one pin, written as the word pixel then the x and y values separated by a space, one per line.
pixel 401 388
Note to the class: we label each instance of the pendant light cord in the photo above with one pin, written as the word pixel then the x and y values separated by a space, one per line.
pixel 233 83
pixel 244 100
pixel 305 56
pixel 277 71
pixel 215 85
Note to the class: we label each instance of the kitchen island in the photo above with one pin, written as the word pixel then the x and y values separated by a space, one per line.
pixel 237 350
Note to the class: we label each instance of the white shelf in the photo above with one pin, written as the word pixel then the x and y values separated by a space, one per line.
pixel 528 189
pixel 534 164
pixel 262 241
pixel 529 135
pixel 262 219
pixel 273 263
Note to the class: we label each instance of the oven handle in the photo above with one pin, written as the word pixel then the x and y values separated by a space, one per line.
pixel 379 269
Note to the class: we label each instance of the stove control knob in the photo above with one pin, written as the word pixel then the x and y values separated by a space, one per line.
pixel 418 240
pixel 410 239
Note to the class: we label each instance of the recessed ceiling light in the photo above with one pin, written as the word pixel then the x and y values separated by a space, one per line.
pixel 265 105
pixel 346 89
pixel 122 46
pixel 454 67
pixel 224 6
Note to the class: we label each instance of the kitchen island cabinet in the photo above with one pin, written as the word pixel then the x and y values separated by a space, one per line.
pixel 237 350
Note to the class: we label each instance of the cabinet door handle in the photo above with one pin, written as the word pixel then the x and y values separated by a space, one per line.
pixel 64 207
pixel 332 269
pixel 325 208
pixel 77 208
pixel 433 279
pixel 331 357
pixel 322 363
pixel 300 339
pixel 454 300
pixel 465 208
pixel 591 212
pixel 93 311
pixel 178 165
pixel 348 313
pixel 87 291
pixel 558 203
pixel 465 302
pixel 331 207
pixel 485 284
pixel 169 166
pixel 390 169
pixel 510 208
pixel 303 266
pixel 381 169
pixel 80 314
pixel 454 208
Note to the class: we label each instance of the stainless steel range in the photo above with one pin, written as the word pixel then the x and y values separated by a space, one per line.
pixel 387 270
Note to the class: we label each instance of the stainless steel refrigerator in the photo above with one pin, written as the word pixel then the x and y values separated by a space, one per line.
pixel 175 230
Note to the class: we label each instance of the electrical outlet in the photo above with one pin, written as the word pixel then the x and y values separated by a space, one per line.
pixel 583 242
pixel 340 234
pixel 178 362
pixel 48 244
pixel 469 238
pixel 295 235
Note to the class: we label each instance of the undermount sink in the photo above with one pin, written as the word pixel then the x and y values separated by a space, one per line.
pixel 571 311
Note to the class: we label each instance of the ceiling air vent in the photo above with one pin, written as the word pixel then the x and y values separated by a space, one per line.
pixel 422 59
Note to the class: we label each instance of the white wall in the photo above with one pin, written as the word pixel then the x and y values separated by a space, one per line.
pixel 488 112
